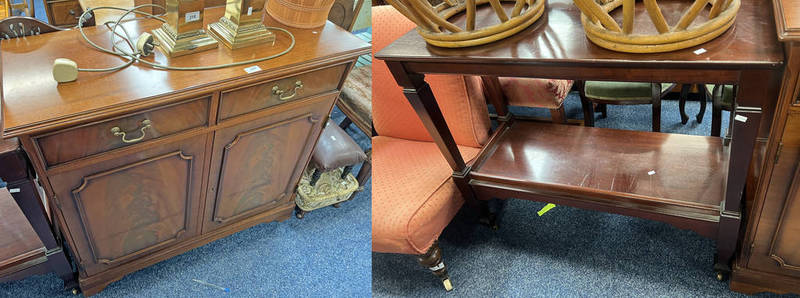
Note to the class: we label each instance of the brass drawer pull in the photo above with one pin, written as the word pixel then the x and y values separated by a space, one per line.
pixel 118 132
pixel 277 91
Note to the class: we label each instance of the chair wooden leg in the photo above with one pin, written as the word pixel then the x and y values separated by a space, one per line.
pixel 656 92
pixel 586 105
pixel 716 111
pixel 432 259
pixel 315 177
pixel 603 110
pixel 345 123
pixel 682 102
pixel 703 102
pixel 559 115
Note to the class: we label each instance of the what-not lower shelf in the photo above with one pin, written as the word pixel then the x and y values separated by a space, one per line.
pixel 629 172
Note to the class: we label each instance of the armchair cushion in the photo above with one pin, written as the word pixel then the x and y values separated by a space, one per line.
pixel 356 98
pixel 535 93
pixel 460 98
pixel 413 195
pixel 621 90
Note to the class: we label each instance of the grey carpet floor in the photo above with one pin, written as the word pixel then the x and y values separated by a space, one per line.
pixel 325 254
pixel 567 252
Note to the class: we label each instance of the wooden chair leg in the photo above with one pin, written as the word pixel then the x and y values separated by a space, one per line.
pixel 346 171
pixel 656 93
pixel 432 259
pixel 603 110
pixel 703 102
pixel 345 123
pixel 685 88
pixel 559 115
pixel 716 110
pixel 586 105
pixel 315 177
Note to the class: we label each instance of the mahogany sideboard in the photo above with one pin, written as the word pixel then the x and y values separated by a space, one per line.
pixel 140 165
pixel 692 182
pixel 769 259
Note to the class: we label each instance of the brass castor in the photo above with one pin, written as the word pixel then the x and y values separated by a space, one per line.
pixel 448 286
pixel 300 214
pixel 721 276
pixel 75 291
pixel 337 205
pixel 432 259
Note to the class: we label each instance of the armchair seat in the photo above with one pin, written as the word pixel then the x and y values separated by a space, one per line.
pixel 413 195
pixel 535 93
pixel 621 91
pixel 356 98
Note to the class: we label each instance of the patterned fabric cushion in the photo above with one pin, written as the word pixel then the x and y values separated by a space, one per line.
pixel 413 195
pixel 620 90
pixel 460 98
pixel 535 93
pixel 356 97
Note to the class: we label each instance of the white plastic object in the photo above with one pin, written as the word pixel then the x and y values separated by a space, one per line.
pixel 145 44
pixel 65 70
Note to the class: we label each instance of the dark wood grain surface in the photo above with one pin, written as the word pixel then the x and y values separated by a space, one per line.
pixel 672 169
pixel 558 38
pixel 33 101
pixel 18 241
pixel 787 19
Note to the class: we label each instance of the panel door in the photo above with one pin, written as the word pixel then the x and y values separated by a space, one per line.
pixel 776 245
pixel 256 165
pixel 132 205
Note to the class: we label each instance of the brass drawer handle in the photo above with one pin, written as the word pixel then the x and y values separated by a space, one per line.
pixel 118 132
pixel 277 91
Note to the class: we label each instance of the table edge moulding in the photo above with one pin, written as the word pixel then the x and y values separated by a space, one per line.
pixel 164 180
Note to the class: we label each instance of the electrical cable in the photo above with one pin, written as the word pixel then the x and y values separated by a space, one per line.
pixel 136 55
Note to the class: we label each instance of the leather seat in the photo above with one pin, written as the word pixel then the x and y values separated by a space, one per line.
pixel 335 149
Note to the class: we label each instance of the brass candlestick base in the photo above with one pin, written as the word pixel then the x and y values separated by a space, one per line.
pixel 175 45
pixel 240 36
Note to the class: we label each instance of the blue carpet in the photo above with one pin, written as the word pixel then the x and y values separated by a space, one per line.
pixel 325 253
pixel 568 251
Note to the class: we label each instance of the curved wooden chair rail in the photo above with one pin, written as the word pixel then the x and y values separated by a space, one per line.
pixel 18 26
pixel 437 30
pixel 14 27
pixel 604 31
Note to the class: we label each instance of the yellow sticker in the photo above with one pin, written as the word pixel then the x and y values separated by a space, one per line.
pixel 546 208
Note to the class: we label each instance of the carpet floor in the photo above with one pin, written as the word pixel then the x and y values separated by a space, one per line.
pixel 325 253
pixel 567 252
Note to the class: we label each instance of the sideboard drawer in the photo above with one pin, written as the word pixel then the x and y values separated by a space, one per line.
pixel 64 12
pixel 86 140
pixel 250 98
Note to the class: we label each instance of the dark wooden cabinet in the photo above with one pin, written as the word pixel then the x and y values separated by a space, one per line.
pixel 63 12
pixel 142 165
pixel 769 257
pixel 243 183
pixel 132 205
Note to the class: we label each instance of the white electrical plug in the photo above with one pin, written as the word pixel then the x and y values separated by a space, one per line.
pixel 65 70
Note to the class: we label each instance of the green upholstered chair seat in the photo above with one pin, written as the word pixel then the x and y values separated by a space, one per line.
pixel 603 90
pixel 727 94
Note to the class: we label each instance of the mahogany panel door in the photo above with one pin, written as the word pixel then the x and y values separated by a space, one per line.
pixel 132 205
pixel 776 245
pixel 256 165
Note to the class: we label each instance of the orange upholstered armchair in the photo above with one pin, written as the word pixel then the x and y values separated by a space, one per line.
pixel 413 195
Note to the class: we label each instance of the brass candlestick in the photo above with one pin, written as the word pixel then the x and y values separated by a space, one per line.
pixel 241 26
pixel 183 32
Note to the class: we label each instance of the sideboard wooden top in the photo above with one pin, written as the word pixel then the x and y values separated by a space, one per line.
pixel 787 19
pixel 558 39
pixel 34 102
